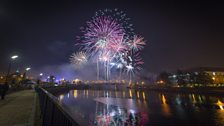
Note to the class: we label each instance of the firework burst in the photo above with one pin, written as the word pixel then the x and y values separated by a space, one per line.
pixel 79 59
pixel 119 45
pixel 109 40
pixel 120 17
pixel 137 43
pixel 100 32
pixel 134 63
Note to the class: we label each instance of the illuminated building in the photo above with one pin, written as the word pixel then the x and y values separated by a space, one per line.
pixel 212 76
pixel 216 73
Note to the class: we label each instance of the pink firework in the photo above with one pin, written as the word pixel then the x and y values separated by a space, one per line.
pixel 119 45
pixel 137 61
pixel 100 32
pixel 109 39
pixel 105 56
pixel 137 43
pixel 134 63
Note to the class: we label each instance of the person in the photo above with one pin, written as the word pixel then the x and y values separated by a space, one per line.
pixel 1 88
pixel 4 88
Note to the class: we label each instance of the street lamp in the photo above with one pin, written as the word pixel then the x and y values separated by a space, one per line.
pixel 14 57
pixel 40 78
pixel 28 68
pixel 9 68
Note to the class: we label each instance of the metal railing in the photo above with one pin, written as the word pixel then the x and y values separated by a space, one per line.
pixel 52 114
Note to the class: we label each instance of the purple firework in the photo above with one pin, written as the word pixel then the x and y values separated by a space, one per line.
pixel 108 38
pixel 100 32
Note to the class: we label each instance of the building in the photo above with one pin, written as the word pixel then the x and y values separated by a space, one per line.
pixel 201 76
pixel 216 73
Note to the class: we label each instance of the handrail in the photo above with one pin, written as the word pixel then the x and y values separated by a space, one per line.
pixel 53 113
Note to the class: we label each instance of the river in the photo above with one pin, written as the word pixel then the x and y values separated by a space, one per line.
pixel 143 108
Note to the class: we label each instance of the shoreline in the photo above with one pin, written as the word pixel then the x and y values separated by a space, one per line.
pixel 218 91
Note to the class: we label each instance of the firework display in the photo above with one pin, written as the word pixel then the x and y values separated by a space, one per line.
pixel 79 59
pixel 110 41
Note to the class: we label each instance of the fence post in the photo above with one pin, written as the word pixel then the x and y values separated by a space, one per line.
pixel 44 107
pixel 51 112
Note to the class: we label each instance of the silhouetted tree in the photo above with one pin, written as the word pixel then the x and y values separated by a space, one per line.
pixel 181 78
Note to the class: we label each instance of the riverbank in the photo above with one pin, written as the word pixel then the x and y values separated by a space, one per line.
pixel 198 90
pixel 18 109
pixel 219 91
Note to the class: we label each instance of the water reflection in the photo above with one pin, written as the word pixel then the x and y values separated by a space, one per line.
pixel 130 93
pixel 138 94
pixel 143 95
pixel 75 94
pixel 165 106
pixel 123 94
pixel 219 118
pixel 193 100
pixel 107 115
pixel 220 104
pixel 130 107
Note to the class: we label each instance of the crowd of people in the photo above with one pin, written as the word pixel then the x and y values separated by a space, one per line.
pixel 3 90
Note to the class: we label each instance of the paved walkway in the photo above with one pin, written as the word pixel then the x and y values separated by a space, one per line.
pixel 18 109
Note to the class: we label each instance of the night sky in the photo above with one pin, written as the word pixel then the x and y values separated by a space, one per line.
pixel 179 35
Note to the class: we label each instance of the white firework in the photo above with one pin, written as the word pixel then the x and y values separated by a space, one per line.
pixel 79 59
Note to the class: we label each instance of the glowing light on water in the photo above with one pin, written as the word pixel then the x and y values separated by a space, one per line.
pixel 87 93
pixel 130 93
pixel 138 94
pixel 165 106
pixel 123 94
pixel 112 113
pixel 194 100
pixel 75 94
pixel 143 95
pixel 163 99
pixel 220 104
pixel 107 94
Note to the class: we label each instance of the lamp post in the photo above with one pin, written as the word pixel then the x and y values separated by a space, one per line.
pixel 41 75
pixel 24 74
pixel 28 68
pixel 9 68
